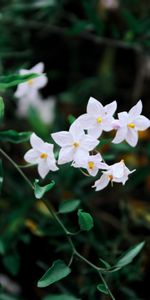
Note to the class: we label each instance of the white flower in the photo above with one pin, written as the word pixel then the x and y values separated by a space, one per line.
pixel 75 144
pixel 44 107
pixel 115 173
pixel 129 124
pixel 92 163
pixel 42 155
pixel 32 85
pixel 98 117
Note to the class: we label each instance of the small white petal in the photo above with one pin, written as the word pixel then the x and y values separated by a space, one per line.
pixel 123 118
pixel 40 82
pixel 94 107
pixel 22 90
pixel 36 142
pixel 95 131
pixel 132 137
pixel 111 108
pixel 120 136
pixel 76 131
pixel 48 148
pixel 62 138
pixel 89 143
pixel 117 169
pixel 93 172
pixel 43 168
pixel 32 156
pixel 136 110
pixel 80 156
pixel 101 183
pixel 65 155
pixel 142 123
pixel 39 68
pixel 52 164
pixel 107 123
pixel 86 121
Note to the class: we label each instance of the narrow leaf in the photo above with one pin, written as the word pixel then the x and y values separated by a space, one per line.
pixel 56 272
pixel 68 206
pixel 85 220
pixel 2 107
pixel 13 80
pixel 129 255
pixel 39 191
pixel 102 289
pixel 13 136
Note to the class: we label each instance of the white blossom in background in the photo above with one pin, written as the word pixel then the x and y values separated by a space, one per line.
pixel 41 154
pixel 75 144
pixel 117 172
pixel 92 163
pixel 98 118
pixel 109 4
pixel 33 85
pixel 44 107
pixel 128 125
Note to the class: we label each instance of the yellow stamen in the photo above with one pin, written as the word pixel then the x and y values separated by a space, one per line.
pixel 91 165
pixel 30 81
pixel 76 145
pixel 43 155
pixel 110 177
pixel 99 120
pixel 131 125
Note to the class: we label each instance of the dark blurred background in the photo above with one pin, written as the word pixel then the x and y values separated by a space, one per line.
pixel 98 48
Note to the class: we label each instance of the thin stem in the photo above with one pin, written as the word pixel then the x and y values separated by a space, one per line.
pixel 17 168
pixel 106 286
pixel 65 230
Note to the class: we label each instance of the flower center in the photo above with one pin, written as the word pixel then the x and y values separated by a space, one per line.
pixel 131 125
pixel 76 145
pixel 43 155
pixel 99 120
pixel 91 165
pixel 30 82
pixel 110 177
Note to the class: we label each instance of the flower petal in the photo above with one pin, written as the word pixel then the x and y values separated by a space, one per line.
pixel 62 138
pixel 107 123
pixel 89 143
pixel 120 136
pixel 142 123
pixel 43 168
pixel 32 156
pixel 86 121
pixel 123 118
pixel 136 110
pixel 101 183
pixel 22 90
pixel 39 68
pixel 94 107
pixel 65 155
pixel 80 156
pixel 52 164
pixel 93 172
pixel 111 108
pixel 36 142
pixel 40 82
pixel 95 131
pixel 118 169
pixel 76 131
pixel 132 137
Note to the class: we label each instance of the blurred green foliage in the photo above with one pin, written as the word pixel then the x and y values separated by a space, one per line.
pixel 88 50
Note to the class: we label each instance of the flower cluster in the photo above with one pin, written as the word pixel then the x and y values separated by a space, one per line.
pixel 78 145
pixel 29 96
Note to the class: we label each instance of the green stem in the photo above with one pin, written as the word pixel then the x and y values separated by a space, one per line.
pixel 65 230
pixel 106 286
pixel 17 168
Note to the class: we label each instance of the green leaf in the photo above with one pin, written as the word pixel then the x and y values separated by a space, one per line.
pixel 56 272
pixel 39 191
pixel 129 255
pixel 60 297
pixel 13 80
pixel 1 176
pixel 71 119
pixel 85 220
pixel 102 289
pixel 2 107
pixel 13 136
pixel 105 263
pixel 7 297
pixel 12 263
pixel 68 206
